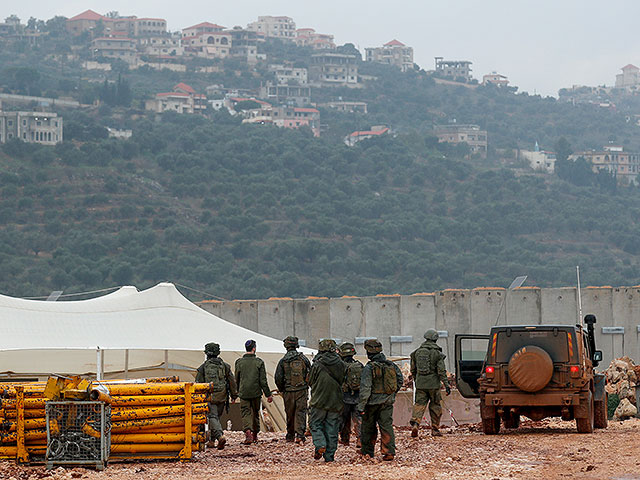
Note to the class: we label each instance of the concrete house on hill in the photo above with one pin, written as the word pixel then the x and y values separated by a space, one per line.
pixel 393 53
pixel 183 99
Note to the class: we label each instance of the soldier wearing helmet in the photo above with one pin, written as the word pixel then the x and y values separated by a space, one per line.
pixel 351 418
pixel 217 372
pixel 292 380
pixel 428 372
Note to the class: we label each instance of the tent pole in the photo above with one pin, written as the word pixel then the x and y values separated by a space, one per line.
pixel 166 363
pixel 99 364
pixel 126 364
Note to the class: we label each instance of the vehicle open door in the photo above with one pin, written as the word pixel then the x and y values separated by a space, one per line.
pixel 471 351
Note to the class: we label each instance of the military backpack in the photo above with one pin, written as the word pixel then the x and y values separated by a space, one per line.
pixel 215 372
pixel 295 371
pixel 352 377
pixel 384 378
pixel 426 360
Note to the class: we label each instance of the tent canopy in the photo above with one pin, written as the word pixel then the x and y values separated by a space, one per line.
pixel 159 318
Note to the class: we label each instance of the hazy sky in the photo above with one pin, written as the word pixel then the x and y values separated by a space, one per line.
pixel 541 45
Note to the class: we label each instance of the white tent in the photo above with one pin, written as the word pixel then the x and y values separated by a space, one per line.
pixel 125 334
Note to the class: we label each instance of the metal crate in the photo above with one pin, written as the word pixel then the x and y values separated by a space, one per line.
pixel 78 433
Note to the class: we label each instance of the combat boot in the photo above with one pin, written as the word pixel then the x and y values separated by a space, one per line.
pixel 388 457
pixel 414 430
pixel 248 437
pixel 210 441
pixel 317 455
pixel 221 442
pixel 344 440
pixel 435 432
pixel 255 437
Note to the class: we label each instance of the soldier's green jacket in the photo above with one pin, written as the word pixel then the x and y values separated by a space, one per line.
pixel 251 377
pixel 325 379
pixel 428 357
pixel 232 390
pixel 281 381
pixel 367 397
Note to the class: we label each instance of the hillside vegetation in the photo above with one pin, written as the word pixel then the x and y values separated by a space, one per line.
pixel 255 211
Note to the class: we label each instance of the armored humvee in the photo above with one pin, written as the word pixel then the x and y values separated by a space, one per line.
pixel 533 370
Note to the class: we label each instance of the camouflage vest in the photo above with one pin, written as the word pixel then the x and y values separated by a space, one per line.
pixel 384 378
pixel 295 372
pixel 215 372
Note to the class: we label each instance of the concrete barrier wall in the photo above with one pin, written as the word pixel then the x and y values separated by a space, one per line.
pixel 399 321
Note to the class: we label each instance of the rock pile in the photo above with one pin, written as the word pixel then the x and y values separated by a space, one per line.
pixel 622 377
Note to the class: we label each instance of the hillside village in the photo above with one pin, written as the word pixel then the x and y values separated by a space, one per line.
pixel 287 94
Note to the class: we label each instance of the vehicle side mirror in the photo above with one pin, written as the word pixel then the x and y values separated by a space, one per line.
pixel 597 356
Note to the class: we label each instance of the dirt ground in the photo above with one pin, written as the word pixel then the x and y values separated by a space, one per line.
pixel 543 450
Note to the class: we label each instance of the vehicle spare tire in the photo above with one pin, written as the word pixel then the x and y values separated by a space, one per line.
pixel 530 368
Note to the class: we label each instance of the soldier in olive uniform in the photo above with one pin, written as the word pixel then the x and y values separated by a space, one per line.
pixel 214 370
pixel 292 380
pixel 428 370
pixel 351 394
pixel 327 374
pixel 251 378
pixel 381 379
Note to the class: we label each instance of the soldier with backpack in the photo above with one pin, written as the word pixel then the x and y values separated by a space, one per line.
pixel 381 379
pixel 292 380
pixel 217 372
pixel 428 370
pixel 351 394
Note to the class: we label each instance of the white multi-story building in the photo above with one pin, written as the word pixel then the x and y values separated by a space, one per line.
pixel 274 27
pixel 392 53
pixel 31 127
pixel 286 75
pixel 334 69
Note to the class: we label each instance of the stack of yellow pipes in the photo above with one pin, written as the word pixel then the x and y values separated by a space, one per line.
pixel 151 419
pixel 35 428
pixel 148 420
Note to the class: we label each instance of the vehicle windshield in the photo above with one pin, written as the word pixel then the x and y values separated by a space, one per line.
pixel 553 342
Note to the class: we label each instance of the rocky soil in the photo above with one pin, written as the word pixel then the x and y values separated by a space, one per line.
pixel 542 450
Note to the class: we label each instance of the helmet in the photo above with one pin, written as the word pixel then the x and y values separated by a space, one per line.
pixel 432 335
pixel 327 345
pixel 373 346
pixel 347 350
pixel 212 349
pixel 290 342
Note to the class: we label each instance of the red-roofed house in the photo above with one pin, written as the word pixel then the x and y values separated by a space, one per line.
pixel 296 117
pixel 204 27
pixel 85 21
pixel 183 99
pixel 495 78
pixel 629 77
pixel 358 136
pixel 307 37
pixel 392 53
pixel 208 44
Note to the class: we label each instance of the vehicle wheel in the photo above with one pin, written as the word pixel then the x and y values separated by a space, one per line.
pixel 585 425
pixel 491 426
pixel 511 419
pixel 600 413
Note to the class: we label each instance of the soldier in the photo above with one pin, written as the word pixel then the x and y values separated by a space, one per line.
pixel 327 374
pixel 428 370
pixel 351 394
pixel 292 380
pixel 251 378
pixel 214 370
pixel 381 380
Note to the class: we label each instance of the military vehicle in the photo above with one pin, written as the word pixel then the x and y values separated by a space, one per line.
pixel 533 370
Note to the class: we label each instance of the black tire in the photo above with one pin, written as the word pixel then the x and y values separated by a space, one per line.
pixel 600 419
pixel 511 419
pixel 586 425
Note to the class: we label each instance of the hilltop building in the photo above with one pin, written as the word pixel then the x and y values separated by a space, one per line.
pixel 131 26
pixel 293 95
pixel 469 134
pixel 613 159
pixel 208 44
pixel 274 27
pixel 307 37
pixel 540 160
pixel 458 70
pixel 393 53
pixel 357 136
pixel 115 47
pixel 31 127
pixel 629 77
pixel 183 99
pixel 495 78
pixel 334 69
pixel 244 44
pixel 200 28
pixel 344 106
